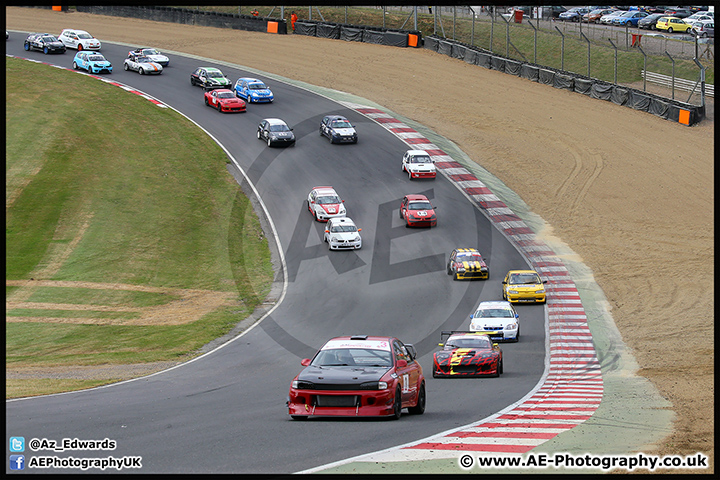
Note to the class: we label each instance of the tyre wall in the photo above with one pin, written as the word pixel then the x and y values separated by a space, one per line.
pixel 666 108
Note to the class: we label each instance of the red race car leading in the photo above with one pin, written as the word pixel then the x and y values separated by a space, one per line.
pixel 358 376
pixel 224 100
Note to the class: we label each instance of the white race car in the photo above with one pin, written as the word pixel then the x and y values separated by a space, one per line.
pixel 142 65
pixel 342 234
pixel 79 40
pixel 418 164
pixel 154 54
pixel 324 204
pixel 499 318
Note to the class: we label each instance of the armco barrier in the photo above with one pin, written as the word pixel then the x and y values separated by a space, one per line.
pixel 191 17
pixel 359 33
pixel 662 107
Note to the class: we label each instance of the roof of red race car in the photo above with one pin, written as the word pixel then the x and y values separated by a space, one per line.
pixel 414 197
pixel 375 343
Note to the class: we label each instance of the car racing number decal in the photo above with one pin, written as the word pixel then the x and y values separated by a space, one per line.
pixel 405 383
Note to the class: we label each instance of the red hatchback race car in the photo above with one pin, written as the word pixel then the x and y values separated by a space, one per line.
pixel 417 211
pixel 224 100
pixel 359 376
pixel 467 354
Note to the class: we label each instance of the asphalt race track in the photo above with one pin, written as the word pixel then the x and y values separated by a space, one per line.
pixel 225 412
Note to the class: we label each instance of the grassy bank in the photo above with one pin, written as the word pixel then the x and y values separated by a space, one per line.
pixel 127 241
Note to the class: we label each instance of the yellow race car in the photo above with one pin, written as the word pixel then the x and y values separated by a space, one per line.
pixel 523 286
pixel 467 263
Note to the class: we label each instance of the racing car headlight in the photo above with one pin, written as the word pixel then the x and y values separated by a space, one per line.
pixel 442 355
pixel 540 291
pixel 356 239
pixel 333 239
pixel 511 326
pixel 513 291
pixel 341 209
pixel 302 385
pixel 382 385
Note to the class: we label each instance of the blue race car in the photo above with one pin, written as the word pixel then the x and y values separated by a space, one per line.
pixel 253 90
pixel 93 62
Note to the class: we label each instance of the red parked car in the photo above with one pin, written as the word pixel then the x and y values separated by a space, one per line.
pixel 359 376
pixel 417 211
pixel 224 100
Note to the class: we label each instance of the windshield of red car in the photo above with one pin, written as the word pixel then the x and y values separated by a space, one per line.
pixel 353 357
pixel 475 341
pixel 420 206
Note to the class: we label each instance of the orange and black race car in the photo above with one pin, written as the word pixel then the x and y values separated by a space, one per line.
pixel 467 354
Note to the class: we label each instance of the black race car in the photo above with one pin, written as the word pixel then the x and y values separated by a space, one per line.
pixel 45 42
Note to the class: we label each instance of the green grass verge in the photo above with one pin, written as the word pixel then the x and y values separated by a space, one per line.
pixel 105 187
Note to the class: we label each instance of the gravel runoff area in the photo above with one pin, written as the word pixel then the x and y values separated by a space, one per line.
pixel 630 193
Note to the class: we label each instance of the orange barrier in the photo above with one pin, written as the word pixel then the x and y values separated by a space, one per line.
pixel 272 27
pixel 412 40
pixel 57 9
pixel 684 117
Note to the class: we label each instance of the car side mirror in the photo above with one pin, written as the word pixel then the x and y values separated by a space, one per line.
pixel 441 344
pixel 327 231
pixel 401 363
pixel 305 362
pixel 504 282
pixel 471 315
pixel 359 229
pixel 495 344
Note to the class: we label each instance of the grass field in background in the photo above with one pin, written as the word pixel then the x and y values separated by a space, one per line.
pixel 127 207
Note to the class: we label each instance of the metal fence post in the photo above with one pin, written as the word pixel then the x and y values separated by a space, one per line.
pixel 644 67
pixel 673 74
pixel 616 49
pixel 562 52
pixel 535 41
pixel 588 42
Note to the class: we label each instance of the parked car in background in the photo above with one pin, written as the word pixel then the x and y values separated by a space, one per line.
pixel 45 42
pixel 608 19
pixel 698 17
pixel 556 10
pixel 672 24
pixel 630 18
pixel 648 23
pixel 704 29
pixel 574 14
pixel 79 40
pixel 593 16
pixel 678 12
